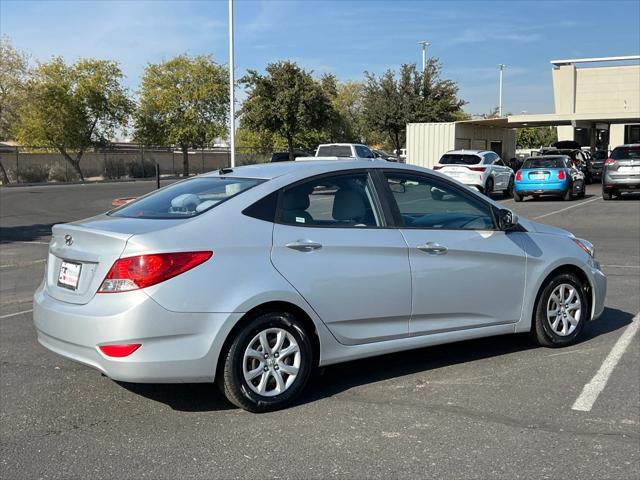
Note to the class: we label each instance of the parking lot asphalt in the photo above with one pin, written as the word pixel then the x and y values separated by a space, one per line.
pixel 490 408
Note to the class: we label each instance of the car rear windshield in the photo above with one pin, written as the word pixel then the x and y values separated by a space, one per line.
pixel 625 153
pixel 459 159
pixel 186 199
pixel 542 162
pixel 334 151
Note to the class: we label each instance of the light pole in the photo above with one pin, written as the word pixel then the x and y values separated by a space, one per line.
pixel 232 121
pixel 424 44
pixel 500 91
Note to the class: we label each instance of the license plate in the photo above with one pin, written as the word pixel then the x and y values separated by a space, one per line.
pixel 629 169
pixel 69 275
pixel 537 176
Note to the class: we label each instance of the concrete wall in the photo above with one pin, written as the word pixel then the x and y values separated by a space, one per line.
pixel 427 142
pixel 596 89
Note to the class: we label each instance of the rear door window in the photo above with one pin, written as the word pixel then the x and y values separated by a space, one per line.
pixel 335 201
pixel 186 199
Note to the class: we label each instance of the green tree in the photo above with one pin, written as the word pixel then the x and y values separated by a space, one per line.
pixel 71 108
pixel 287 101
pixel 14 73
pixel 536 137
pixel 390 102
pixel 184 102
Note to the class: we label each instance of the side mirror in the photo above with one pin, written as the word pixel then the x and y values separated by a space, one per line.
pixel 507 220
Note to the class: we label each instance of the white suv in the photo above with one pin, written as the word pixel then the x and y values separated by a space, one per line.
pixel 480 169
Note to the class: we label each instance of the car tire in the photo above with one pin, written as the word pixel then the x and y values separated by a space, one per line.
pixel 238 363
pixel 606 195
pixel 488 187
pixel 508 193
pixel 562 329
pixel 583 191
pixel 517 197
pixel 568 193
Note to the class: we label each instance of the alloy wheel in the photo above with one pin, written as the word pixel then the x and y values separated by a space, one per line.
pixel 271 362
pixel 564 309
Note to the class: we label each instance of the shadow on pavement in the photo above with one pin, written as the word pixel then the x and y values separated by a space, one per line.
pixel 25 233
pixel 338 378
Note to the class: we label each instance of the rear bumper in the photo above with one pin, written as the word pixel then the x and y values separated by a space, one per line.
pixel 529 188
pixel 176 347
pixel 599 285
pixel 621 182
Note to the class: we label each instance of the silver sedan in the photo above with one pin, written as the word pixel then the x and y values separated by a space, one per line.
pixel 252 277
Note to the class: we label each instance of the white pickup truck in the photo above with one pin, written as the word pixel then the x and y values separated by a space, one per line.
pixel 342 151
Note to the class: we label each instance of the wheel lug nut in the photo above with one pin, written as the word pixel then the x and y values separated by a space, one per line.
pixel 266 369
pixel 276 367
pixel 275 355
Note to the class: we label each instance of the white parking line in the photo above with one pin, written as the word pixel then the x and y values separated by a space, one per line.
pixel 34 243
pixel 592 389
pixel 567 208
pixel 15 314
pixel 24 264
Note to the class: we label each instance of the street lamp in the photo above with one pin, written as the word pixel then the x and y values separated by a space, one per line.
pixel 500 91
pixel 424 44
pixel 232 124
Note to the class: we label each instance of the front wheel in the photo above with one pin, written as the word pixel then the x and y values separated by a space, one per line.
pixel 267 364
pixel 560 313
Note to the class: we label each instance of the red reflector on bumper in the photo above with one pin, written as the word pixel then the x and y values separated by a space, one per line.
pixel 119 350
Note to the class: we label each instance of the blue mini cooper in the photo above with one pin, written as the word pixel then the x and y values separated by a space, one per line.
pixel 549 175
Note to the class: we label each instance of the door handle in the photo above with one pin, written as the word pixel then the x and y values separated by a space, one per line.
pixel 432 248
pixel 304 245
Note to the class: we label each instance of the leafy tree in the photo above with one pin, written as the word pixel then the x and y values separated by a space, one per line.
pixel 536 137
pixel 286 101
pixel 183 102
pixel 390 103
pixel 71 108
pixel 258 140
pixel 14 72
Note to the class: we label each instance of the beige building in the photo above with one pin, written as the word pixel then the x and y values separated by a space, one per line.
pixel 597 101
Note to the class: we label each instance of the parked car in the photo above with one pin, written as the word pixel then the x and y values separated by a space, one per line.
pixel 621 171
pixel 337 151
pixel 382 155
pixel 577 156
pixel 481 169
pixel 549 175
pixel 326 262
pixel 596 164
pixel 284 156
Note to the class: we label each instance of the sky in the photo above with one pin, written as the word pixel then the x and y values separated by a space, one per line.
pixel 346 38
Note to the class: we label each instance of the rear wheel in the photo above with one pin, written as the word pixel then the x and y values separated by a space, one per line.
pixel 567 194
pixel 516 196
pixel 508 193
pixel 560 313
pixel 267 364
pixel 606 195
pixel 488 187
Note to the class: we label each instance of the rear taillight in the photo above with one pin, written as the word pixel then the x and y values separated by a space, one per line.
pixel 142 271
pixel 519 175
pixel 119 351
pixel 437 167
pixel 477 169
pixel 609 161
pixel 561 175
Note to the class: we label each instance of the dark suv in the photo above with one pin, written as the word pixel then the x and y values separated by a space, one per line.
pixel 621 171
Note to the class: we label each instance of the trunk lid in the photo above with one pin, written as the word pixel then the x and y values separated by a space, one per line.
pixel 82 253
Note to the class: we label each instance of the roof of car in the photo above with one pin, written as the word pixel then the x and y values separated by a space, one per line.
pixel 467 152
pixel 269 171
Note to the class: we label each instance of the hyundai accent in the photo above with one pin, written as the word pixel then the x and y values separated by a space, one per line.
pixel 251 277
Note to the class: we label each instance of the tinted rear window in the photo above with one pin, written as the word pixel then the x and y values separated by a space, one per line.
pixel 334 151
pixel 625 153
pixel 541 162
pixel 459 159
pixel 186 199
